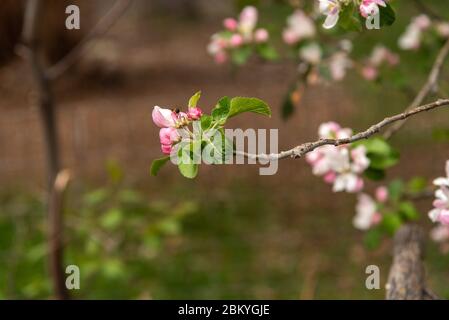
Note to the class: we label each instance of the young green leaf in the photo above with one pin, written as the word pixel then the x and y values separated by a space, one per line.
pixel 188 170
pixel 193 101
pixel 240 105
pixel 221 110
pixel 157 165
pixel 206 122
pixel 387 15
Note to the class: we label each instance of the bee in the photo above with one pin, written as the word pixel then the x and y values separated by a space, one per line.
pixel 176 110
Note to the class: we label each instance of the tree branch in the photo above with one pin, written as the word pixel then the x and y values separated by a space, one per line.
pixel 106 22
pixel 307 147
pixel 429 86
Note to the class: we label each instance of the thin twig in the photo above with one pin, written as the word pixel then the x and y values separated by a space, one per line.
pixel 429 86
pixel 430 12
pixel 106 22
pixel 307 147
pixel 47 111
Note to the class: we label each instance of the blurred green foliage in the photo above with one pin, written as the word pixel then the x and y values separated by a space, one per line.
pixel 112 234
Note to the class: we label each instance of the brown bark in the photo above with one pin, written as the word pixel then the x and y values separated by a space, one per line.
pixel 407 278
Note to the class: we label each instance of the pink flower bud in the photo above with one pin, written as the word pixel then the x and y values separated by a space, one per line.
pixel 423 22
pixel 382 194
pixel 168 136
pixel 439 203
pixel 313 157
pixel 261 35
pixel 377 218
pixel 359 185
pixel 444 217
pixel 194 113
pixel 166 149
pixel 328 130
pixel 248 18
pixel 231 24
pixel 236 40
pixel 370 7
pixel 290 37
pixel 221 57
pixel 370 73
pixel 163 118
pixel 330 177
pixel 392 59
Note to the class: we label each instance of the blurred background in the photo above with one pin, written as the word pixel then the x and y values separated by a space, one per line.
pixel 230 233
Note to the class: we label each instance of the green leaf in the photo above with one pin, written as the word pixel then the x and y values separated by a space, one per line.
pixel 115 172
pixel 372 238
pixel 96 197
pixel 378 146
pixel 383 162
pixel 416 185
pixel 387 15
pixel 188 170
pixel 391 222
pixel 374 174
pixel 287 106
pixel 157 164
pixel 440 134
pixel 382 156
pixel 240 105
pixel 221 110
pixel 395 190
pixel 408 211
pixel 113 268
pixel 241 55
pixel 206 122
pixel 267 52
pixel 218 149
pixel 112 219
pixel 348 20
pixel 193 101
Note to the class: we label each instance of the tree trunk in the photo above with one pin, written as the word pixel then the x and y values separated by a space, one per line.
pixel 407 278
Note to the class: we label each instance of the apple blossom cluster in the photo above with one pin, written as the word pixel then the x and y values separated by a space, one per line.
pixel 332 9
pixel 440 213
pixel 414 34
pixel 191 138
pixel 238 34
pixel 341 166
pixel 172 123
pixel 300 27
pixel 367 209
pixel 299 34
pixel 379 57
